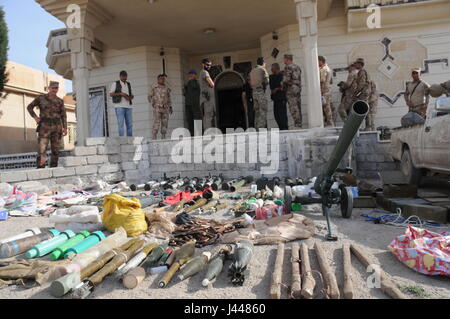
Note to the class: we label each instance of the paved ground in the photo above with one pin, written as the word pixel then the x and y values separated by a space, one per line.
pixel 374 237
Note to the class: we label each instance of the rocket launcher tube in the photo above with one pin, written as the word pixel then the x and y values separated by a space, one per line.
pixel 184 254
pixel 136 260
pixel 20 246
pixel 86 257
pixel 90 241
pixel 48 246
pixel 61 250
pixel 27 233
pixel 237 185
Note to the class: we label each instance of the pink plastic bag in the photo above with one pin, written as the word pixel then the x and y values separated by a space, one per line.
pixel 423 251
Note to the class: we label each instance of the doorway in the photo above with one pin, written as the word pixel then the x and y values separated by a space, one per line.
pixel 98 112
pixel 230 109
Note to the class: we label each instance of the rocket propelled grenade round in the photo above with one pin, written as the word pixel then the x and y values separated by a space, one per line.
pixel 214 269
pixel 184 254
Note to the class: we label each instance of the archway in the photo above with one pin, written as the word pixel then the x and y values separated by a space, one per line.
pixel 230 111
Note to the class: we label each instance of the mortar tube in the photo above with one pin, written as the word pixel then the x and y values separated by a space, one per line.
pixel 90 241
pixel 27 233
pixel 17 247
pixel 48 246
pixel 61 250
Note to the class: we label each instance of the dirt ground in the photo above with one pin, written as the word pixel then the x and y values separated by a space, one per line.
pixel 374 237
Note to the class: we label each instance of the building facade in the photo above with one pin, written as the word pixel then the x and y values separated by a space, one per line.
pixel 154 37
pixel 17 127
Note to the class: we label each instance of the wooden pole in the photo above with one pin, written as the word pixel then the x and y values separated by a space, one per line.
pixel 348 272
pixel 332 288
pixel 387 286
pixel 275 289
pixel 308 281
pixel 296 287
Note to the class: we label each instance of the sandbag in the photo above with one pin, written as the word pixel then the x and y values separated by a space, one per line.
pixel 412 118
pixel 423 251
pixel 124 212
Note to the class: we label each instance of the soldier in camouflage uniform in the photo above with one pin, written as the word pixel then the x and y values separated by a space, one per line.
pixel 293 86
pixel 52 124
pixel 361 86
pixel 373 106
pixel 207 98
pixel 417 94
pixel 347 94
pixel 159 97
pixel 259 79
pixel 325 89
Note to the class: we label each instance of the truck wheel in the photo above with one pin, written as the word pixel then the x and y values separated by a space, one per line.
pixel 413 175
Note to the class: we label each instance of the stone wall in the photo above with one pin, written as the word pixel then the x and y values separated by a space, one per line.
pixel 301 153
pixel 372 155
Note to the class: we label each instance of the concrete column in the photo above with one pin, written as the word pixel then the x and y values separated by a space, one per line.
pixel 80 41
pixel 307 18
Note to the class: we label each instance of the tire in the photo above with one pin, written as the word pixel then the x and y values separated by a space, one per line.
pixel 346 202
pixel 413 175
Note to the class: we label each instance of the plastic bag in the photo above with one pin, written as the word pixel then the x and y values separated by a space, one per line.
pixel 423 251
pixel 124 212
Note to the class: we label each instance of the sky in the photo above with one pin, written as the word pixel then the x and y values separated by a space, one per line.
pixel 29 26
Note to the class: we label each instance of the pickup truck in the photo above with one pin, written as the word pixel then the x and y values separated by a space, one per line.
pixel 424 148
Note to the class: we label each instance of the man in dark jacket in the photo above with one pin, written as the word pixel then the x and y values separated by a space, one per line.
pixel 278 96
pixel 192 100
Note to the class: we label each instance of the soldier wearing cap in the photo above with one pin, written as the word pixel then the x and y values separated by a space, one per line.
pixel 207 103
pixel 292 83
pixel 192 100
pixel 325 89
pixel 347 93
pixel 52 124
pixel 417 94
pixel 259 79
pixel 159 97
pixel 361 87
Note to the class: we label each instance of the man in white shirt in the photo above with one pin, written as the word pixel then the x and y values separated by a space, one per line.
pixel 122 100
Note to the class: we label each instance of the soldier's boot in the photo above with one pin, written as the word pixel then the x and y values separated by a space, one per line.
pixel 39 163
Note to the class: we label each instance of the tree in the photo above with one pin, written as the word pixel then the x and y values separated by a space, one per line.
pixel 3 51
